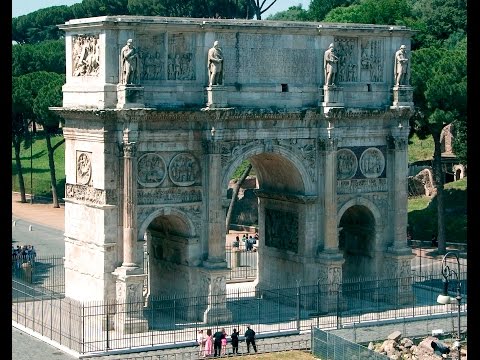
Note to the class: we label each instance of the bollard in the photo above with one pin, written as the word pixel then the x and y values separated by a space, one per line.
pixel 27 271
pixel 14 223
pixel 30 228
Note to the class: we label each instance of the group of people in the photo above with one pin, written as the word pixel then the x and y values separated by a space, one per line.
pixel 216 343
pixel 23 254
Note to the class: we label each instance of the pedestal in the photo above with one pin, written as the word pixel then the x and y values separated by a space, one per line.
pixel 398 266
pixel 130 96
pixel 332 97
pixel 216 311
pixel 402 96
pixel 235 257
pixel 129 293
pixel 330 279
pixel 216 97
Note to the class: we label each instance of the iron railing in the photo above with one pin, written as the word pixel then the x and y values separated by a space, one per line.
pixel 90 327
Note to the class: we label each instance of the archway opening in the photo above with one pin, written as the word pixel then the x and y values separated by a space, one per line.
pixel 357 242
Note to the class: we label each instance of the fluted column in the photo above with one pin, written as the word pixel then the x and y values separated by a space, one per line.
pixel 397 148
pixel 129 205
pixel 328 149
pixel 215 212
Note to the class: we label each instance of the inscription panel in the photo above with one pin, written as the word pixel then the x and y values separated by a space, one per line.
pixel 174 195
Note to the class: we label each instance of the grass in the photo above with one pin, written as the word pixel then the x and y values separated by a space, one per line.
pixel 420 149
pixel 40 171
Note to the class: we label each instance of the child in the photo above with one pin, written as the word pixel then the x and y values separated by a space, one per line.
pixel 224 343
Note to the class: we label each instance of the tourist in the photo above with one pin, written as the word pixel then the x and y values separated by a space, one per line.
pixel 217 342
pixel 250 338
pixel 224 343
pixel 201 342
pixel 208 350
pixel 434 240
pixel 234 337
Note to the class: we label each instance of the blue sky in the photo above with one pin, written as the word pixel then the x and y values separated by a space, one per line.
pixel 23 7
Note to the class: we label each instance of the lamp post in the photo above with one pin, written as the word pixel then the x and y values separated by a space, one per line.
pixel 444 298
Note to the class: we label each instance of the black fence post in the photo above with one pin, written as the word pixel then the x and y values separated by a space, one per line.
pixel 298 305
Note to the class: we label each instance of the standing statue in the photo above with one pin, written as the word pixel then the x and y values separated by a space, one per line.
pixel 330 61
pixel 215 65
pixel 129 64
pixel 401 66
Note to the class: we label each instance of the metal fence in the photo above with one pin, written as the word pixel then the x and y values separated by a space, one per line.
pixel 91 327
pixel 328 346
pixel 242 264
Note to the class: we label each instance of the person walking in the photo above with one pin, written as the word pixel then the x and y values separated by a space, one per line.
pixel 208 350
pixel 250 338
pixel 217 342
pixel 234 337
pixel 201 342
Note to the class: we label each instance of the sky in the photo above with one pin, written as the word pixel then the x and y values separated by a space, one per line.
pixel 23 7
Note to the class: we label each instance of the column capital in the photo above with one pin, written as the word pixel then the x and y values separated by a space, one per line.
pixel 397 142
pixel 213 147
pixel 326 144
pixel 129 149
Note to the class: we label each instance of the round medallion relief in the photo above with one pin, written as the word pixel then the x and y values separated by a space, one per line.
pixel 183 169
pixel 347 164
pixel 372 163
pixel 84 168
pixel 151 170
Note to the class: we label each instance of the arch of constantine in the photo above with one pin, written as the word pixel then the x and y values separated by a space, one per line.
pixel 152 142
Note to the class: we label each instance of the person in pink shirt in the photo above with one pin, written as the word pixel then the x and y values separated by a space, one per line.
pixel 208 350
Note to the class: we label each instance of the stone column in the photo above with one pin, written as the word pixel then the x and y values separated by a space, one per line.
pixel 328 151
pixel 215 211
pixel 129 205
pixel 397 149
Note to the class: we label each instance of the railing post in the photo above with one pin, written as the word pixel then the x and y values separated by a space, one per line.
pixel 298 305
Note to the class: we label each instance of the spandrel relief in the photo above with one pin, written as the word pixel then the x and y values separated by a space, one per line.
pixel 372 60
pixel 346 51
pixel 85 55
pixel 181 59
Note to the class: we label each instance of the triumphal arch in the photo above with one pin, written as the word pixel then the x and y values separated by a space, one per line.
pixel 159 112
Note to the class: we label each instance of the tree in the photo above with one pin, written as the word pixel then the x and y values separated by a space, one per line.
pixel 318 9
pixel 236 188
pixel 50 95
pixel 439 77
pixel 382 12
pixel 260 8
pixel 47 56
pixel 294 13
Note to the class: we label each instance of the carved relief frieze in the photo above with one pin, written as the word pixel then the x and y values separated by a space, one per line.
pixel 151 51
pixel 372 163
pixel 184 169
pixel 175 195
pixel 281 229
pixel 347 164
pixel 151 170
pixel 85 55
pixel 84 167
pixel 89 194
pixel 354 186
pixel 346 51
pixel 372 60
pixel 181 58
